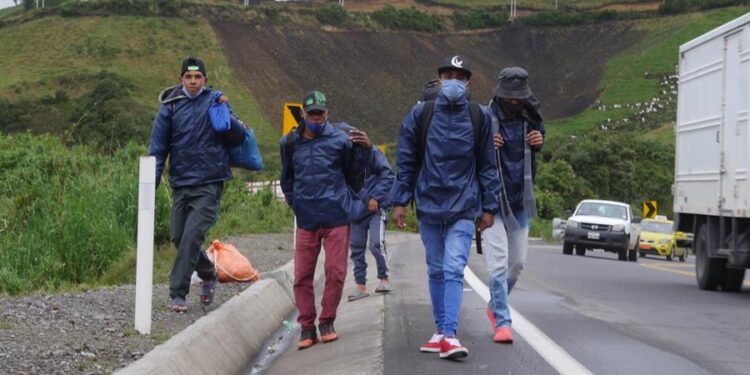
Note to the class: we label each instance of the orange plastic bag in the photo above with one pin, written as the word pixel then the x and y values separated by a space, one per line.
pixel 230 264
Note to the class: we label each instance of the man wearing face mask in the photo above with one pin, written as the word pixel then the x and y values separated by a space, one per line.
pixel 198 167
pixel 448 169
pixel 518 135
pixel 320 165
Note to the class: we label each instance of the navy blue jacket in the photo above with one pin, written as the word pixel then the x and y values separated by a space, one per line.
pixel 318 192
pixel 182 131
pixel 379 180
pixel 453 183
pixel 511 154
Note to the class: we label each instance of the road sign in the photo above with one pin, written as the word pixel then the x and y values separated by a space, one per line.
pixel 649 209
pixel 292 116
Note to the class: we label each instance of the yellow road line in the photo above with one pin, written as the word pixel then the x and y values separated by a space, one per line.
pixel 660 267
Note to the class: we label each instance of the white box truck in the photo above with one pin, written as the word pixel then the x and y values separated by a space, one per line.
pixel 712 182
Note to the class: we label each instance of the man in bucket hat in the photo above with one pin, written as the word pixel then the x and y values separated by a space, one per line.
pixel 447 165
pixel 518 135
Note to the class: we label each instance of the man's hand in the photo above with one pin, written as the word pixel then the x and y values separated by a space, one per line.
pixel 399 216
pixel 535 138
pixel 499 141
pixel 360 137
pixel 372 205
pixel 487 220
pixel 222 99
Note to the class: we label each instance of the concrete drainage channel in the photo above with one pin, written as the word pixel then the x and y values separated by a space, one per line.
pixel 229 338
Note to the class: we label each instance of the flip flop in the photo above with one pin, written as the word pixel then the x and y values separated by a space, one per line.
pixel 357 295
pixel 383 288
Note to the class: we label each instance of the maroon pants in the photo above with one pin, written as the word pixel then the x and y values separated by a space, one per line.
pixel 336 244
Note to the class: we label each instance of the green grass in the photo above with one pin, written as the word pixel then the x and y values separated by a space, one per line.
pixel 146 51
pixel 535 4
pixel 624 82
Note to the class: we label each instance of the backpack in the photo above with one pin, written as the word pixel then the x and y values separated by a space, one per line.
pixel 475 113
pixel 355 182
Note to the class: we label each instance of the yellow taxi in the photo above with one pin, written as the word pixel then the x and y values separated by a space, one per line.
pixel 658 238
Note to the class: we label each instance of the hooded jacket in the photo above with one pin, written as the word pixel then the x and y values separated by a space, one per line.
pixel 317 190
pixel 378 181
pixel 182 131
pixel 511 154
pixel 453 183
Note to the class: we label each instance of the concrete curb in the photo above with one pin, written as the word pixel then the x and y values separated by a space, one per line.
pixel 224 341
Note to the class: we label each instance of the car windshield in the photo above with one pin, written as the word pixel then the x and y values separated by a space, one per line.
pixel 655 226
pixel 603 209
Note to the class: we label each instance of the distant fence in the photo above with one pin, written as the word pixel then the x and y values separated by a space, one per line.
pixel 256 187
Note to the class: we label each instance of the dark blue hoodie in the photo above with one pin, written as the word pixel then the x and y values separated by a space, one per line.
pixel 452 183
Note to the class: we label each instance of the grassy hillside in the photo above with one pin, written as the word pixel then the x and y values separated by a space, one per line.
pixel 56 54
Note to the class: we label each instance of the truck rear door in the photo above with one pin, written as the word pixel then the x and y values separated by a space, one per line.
pixel 735 160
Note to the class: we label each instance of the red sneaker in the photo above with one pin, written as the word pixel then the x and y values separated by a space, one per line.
pixel 503 335
pixel 432 346
pixel 451 348
pixel 491 317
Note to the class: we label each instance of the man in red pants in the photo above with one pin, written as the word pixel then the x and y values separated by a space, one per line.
pixel 322 167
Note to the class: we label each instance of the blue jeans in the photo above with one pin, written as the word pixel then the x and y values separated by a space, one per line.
pixel 505 253
pixel 447 249
pixel 375 224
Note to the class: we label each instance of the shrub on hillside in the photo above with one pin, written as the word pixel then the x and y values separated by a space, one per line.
pixel 332 14
pixel 680 6
pixel 479 19
pixel 408 19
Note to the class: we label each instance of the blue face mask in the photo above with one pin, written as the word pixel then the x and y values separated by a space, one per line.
pixel 454 90
pixel 313 127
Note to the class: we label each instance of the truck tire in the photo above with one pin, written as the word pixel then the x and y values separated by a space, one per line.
pixel 633 254
pixel 683 257
pixel 622 254
pixel 580 250
pixel 709 272
pixel 733 278
pixel 670 256
pixel 567 248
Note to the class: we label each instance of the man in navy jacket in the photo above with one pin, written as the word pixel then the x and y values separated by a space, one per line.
pixel 316 180
pixel 456 183
pixel 198 167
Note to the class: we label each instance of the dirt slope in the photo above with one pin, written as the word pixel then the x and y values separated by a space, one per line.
pixel 373 78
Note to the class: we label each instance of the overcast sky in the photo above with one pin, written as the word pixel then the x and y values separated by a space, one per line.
pixel 6 3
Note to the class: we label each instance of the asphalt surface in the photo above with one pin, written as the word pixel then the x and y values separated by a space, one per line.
pixel 611 317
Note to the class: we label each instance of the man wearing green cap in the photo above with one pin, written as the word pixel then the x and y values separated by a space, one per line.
pixel 322 167
pixel 198 167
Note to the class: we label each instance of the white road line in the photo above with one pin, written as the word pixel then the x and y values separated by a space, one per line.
pixel 555 355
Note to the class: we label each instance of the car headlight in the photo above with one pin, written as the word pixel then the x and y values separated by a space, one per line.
pixel 663 242
pixel 618 228
pixel 572 224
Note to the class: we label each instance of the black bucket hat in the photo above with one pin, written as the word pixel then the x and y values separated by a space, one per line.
pixel 455 62
pixel 513 83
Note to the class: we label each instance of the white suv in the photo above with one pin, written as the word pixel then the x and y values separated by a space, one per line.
pixel 606 225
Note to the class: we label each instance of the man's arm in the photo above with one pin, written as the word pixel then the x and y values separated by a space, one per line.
pixel 406 158
pixel 287 176
pixel 160 140
pixel 385 179
pixel 489 180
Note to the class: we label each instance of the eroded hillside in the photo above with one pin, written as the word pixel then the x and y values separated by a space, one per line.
pixel 372 78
